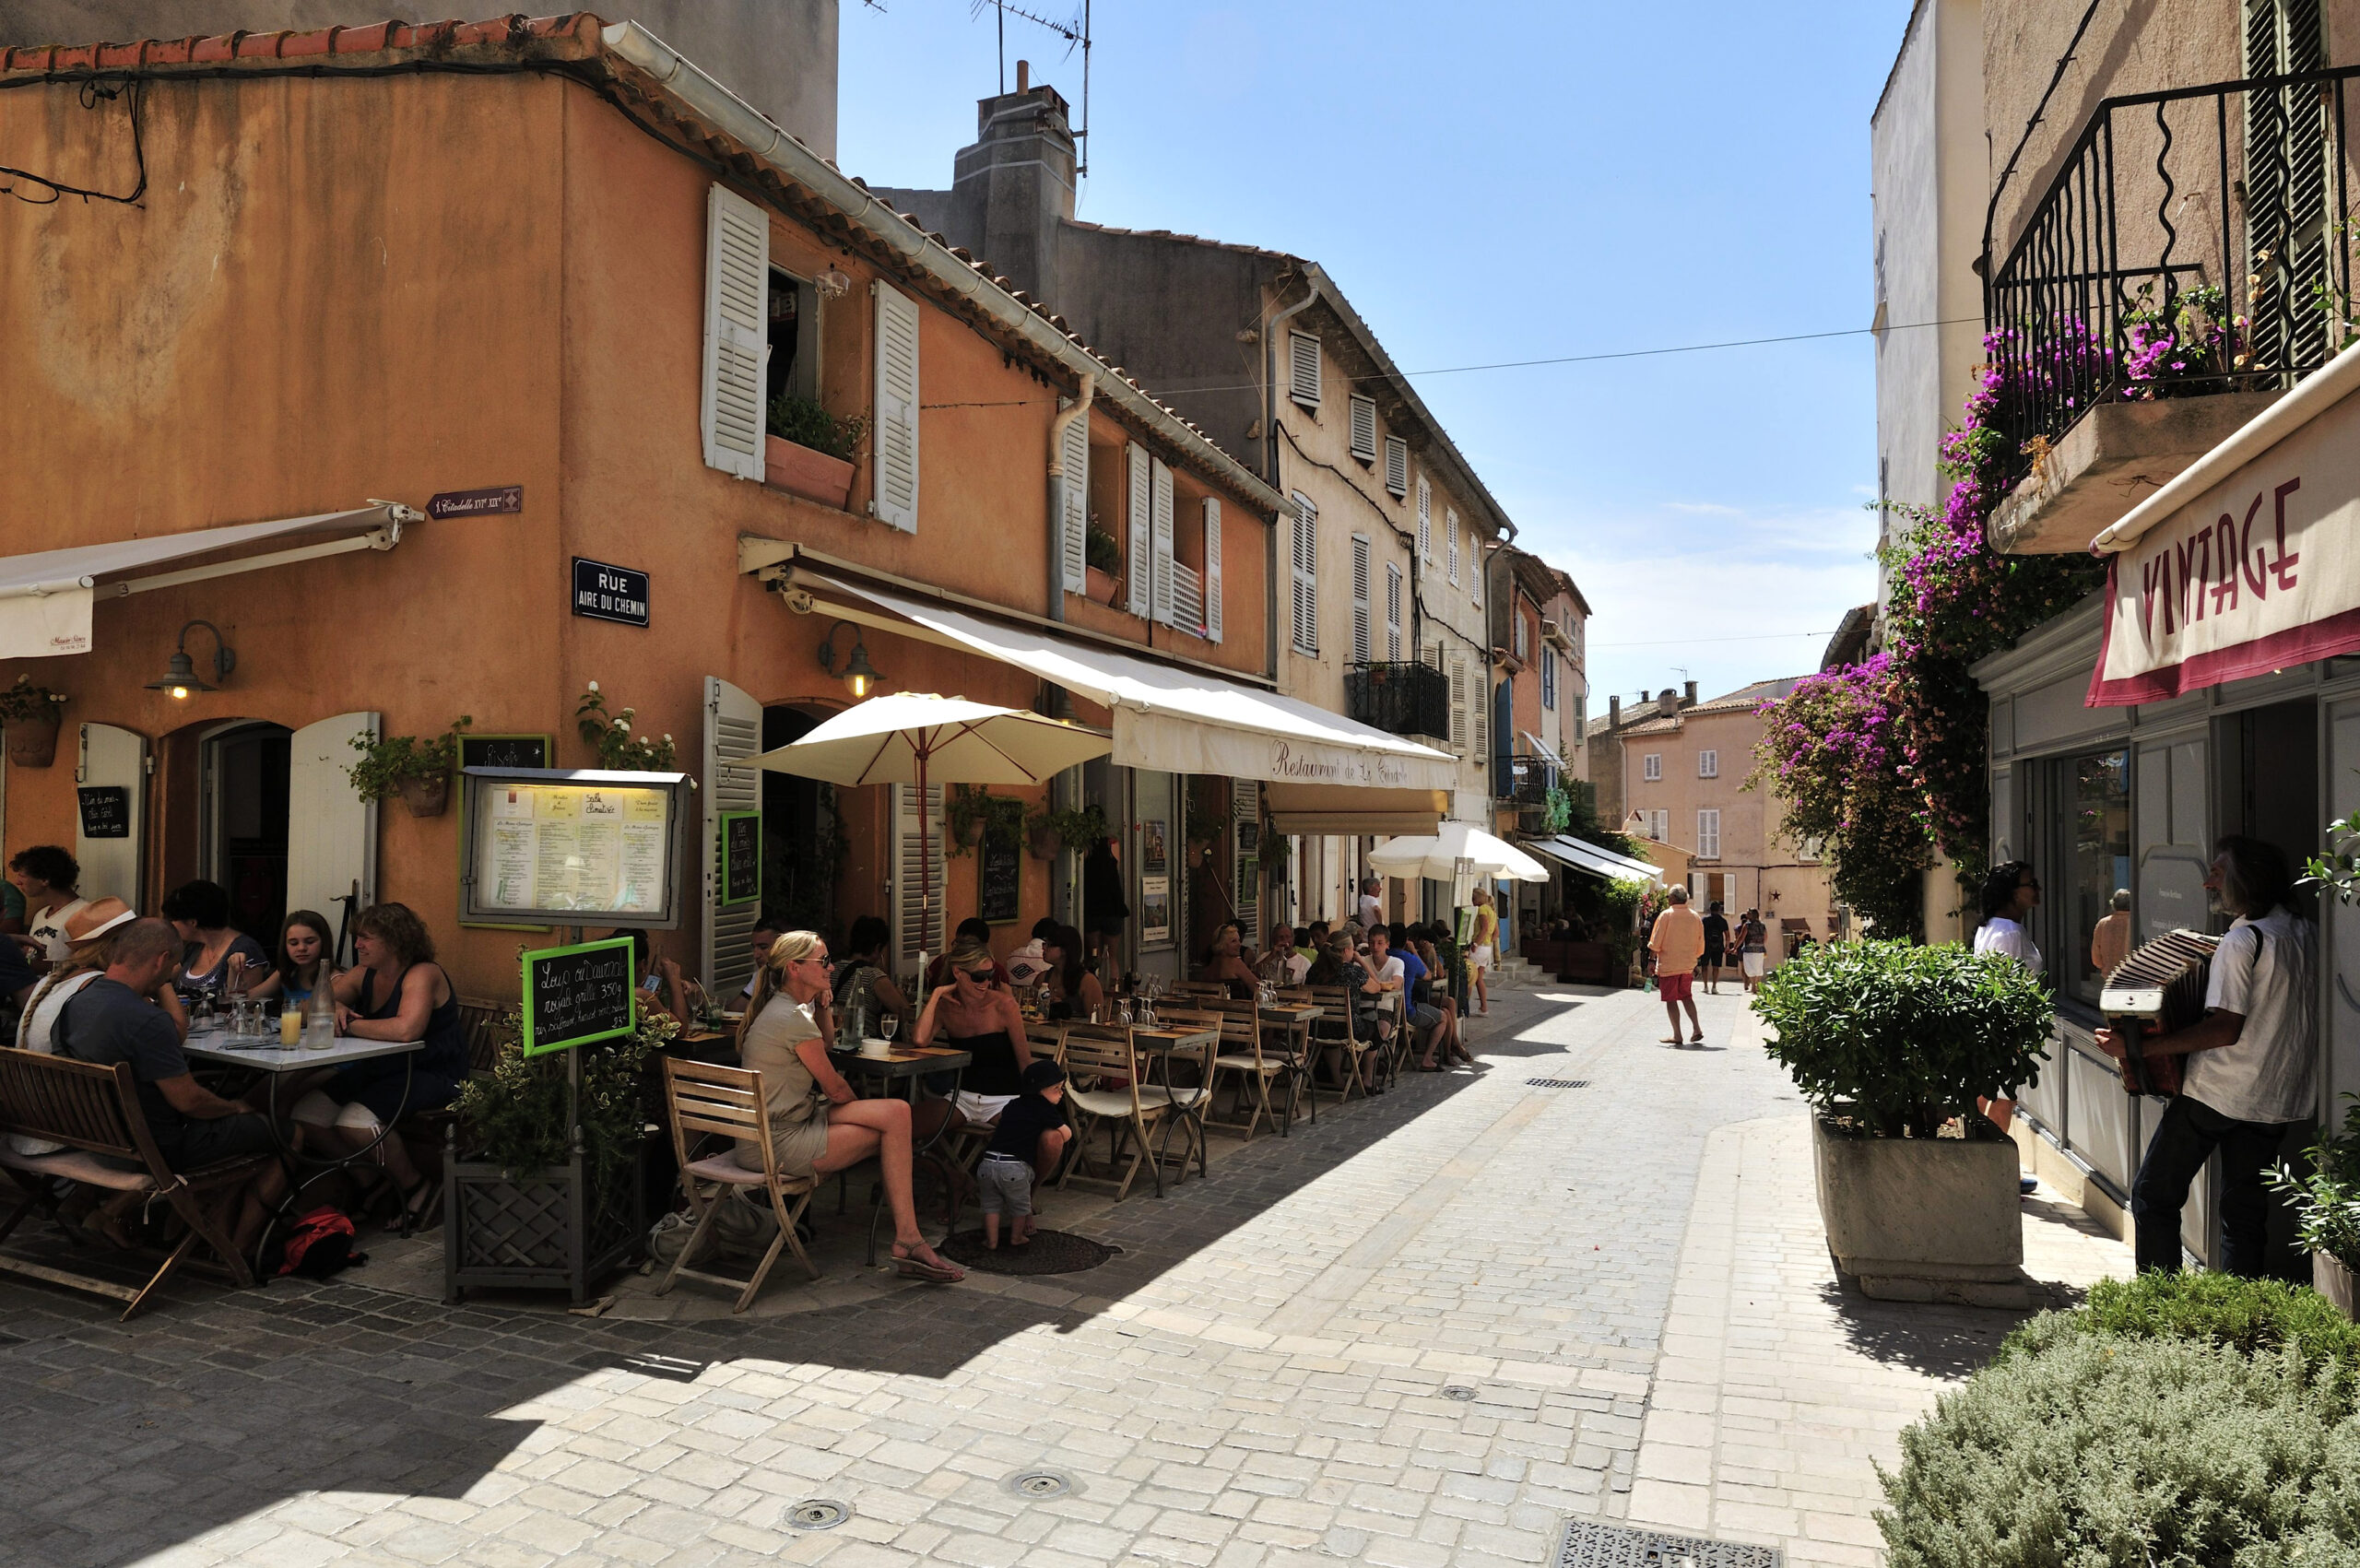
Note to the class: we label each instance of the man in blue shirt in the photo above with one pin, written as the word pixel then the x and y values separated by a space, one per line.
pixel 1423 1019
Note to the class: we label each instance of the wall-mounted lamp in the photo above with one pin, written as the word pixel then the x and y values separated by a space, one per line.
pixel 860 676
pixel 180 676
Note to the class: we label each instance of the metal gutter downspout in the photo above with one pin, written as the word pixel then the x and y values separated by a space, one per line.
pixel 1058 427
pixel 1271 466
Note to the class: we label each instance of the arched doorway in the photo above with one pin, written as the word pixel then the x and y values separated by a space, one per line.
pixel 241 821
pixel 803 838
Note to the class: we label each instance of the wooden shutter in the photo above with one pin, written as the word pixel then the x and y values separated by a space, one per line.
pixel 1474 563
pixel 737 333
pixel 909 936
pixel 1396 466
pixel 113 758
pixel 1159 536
pixel 1361 637
pixel 1305 564
pixel 1392 612
pixel 1073 544
pixel 1139 555
pixel 1450 531
pixel 1302 369
pixel 733 733
pixel 1364 430
pixel 1458 703
pixel 893 432
pixel 1426 521
pixel 1245 806
pixel 1479 702
pixel 1212 568
pixel 331 831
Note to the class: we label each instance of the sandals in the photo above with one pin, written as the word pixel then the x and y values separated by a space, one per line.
pixel 937 1273
pixel 415 1208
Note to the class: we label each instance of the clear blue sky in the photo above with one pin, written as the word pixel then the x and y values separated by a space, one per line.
pixel 1497 182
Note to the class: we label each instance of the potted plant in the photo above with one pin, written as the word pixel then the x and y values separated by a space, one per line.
pixel 1047 831
pixel 1103 569
pixel 1202 829
pixel 2326 1204
pixel 417 771
pixel 809 451
pixel 547 1193
pixel 617 745
pixel 30 715
pixel 1891 1044
pixel 974 812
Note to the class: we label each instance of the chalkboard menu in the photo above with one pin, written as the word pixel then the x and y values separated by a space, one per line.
pixel 503 750
pixel 573 996
pixel 998 877
pixel 106 811
pixel 741 857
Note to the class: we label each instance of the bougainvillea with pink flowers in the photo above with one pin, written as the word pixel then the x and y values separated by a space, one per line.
pixel 1831 749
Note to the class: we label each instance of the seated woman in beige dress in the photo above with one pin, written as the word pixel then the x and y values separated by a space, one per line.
pixel 817 1124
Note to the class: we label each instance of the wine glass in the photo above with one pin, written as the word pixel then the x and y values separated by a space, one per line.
pixel 889 1025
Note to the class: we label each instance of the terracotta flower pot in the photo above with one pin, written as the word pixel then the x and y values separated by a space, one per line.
pixel 1043 844
pixel 969 834
pixel 1103 585
pixel 814 476
pixel 33 743
pixel 427 797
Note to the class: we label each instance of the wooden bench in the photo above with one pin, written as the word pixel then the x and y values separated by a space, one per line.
pixel 94 1111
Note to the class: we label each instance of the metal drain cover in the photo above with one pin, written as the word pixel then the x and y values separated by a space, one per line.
pixel 1556 1083
pixel 1455 1391
pixel 1588 1544
pixel 819 1513
pixel 1041 1484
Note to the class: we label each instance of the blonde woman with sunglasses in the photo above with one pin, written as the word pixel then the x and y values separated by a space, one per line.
pixel 818 1125
pixel 982 1019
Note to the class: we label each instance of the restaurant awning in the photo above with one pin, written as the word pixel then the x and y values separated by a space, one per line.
pixel 2243 563
pixel 1597 862
pixel 1301 810
pixel 46 597
pixel 1541 750
pixel 1175 718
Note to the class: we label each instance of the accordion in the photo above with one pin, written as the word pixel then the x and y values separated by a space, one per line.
pixel 2161 982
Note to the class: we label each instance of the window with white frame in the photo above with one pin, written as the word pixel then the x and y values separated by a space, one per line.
pixel 1651 765
pixel 1658 824
pixel 1450 537
pixel 1708 833
pixel 1810 849
pixel 1518 617
pixel 1708 764
pixel 1364 430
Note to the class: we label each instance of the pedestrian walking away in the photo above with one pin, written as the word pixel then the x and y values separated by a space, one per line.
pixel 1677 942
pixel 2011 892
pixel 1717 947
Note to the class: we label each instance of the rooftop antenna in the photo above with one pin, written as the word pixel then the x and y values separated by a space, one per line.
pixel 1074 32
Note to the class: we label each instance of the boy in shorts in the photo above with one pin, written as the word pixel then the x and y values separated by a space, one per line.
pixel 1031 1135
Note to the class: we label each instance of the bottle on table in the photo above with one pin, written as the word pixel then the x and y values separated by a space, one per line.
pixel 319 1020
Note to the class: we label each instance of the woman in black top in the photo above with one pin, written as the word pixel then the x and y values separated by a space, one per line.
pixel 974 1015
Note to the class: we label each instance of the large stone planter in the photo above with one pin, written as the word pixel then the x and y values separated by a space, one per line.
pixel 1924 1220
pixel 2331 1280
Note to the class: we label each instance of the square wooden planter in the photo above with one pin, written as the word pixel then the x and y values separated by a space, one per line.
pixel 814 476
pixel 541 1229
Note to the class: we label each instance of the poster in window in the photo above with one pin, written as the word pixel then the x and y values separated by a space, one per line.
pixel 1154 857
pixel 1155 911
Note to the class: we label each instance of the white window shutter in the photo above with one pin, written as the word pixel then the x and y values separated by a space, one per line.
pixel 1426 521
pixel 1074 544
pixel 1392 612
pixel 1212 568
pixel 733 733
pixel 112 756
pixel 1458 703
pixel 1450 531
pixel 332 832
pixel 1246 806
pixel 1305 564
pixel 1479 702
pixel 1302 369
pixel 1709 835
pixel 893 431
pixel 1139 551
pixel 1361 637
pixel 1160 536
pixel 909 890
pixel 736 332
pixel 1364 432
pixel 1396 467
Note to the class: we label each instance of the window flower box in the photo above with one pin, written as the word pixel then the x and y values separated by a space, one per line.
pixel 799 470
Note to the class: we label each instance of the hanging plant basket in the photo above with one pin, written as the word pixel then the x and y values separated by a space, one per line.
pixel 33 743
pixel 427 795
pixel 1043 843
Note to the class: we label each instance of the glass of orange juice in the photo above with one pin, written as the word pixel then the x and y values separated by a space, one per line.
pixel 290 1026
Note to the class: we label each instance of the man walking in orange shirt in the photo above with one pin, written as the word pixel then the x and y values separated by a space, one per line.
pixel 1677 943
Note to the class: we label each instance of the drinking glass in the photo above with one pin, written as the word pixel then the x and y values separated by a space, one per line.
pixel 889 1025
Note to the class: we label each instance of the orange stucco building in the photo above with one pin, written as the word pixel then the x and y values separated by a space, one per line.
pixel 393 263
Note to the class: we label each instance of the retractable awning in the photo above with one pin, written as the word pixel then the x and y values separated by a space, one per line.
pixel 1541 750
pixel 1173 718
pixel 1301 810
pixel 1597 862
pixel 46 597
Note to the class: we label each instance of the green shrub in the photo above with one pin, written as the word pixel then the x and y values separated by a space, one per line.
pixel 1903 1038
pixel 2118 1453
pixel 804 422
pixel 2253 1317
pixel 2326 1200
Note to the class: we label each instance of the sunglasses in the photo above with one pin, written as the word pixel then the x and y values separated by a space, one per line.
pixel 980 976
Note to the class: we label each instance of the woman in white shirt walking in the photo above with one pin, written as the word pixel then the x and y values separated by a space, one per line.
pixel 2011 892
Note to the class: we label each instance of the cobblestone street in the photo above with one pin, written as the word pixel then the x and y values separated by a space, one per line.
pixel 1427 1330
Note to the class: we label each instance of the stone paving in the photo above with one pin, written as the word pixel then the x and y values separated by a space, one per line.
pixel 1424 1331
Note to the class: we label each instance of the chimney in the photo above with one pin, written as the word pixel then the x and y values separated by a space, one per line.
pixel 1015 184
pixel 1667 701
pixel 1614 712
pixel 1024 77
pixel 1689 701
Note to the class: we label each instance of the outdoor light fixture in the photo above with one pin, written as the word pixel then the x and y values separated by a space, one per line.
pixel 180 676
pixel 860 676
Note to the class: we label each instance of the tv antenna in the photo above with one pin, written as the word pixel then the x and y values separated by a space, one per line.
pixel 1076 35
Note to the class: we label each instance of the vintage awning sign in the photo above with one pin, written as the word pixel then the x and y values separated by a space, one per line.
pixel 2244 563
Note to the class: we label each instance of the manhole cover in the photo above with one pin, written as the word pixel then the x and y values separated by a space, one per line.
pixel 1587 1544
pixel 819 1513
pixel 1556 1083
pixel 1457 1393
pixel 1041 1483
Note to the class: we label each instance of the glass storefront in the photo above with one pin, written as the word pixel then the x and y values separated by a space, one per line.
pixel 2097 844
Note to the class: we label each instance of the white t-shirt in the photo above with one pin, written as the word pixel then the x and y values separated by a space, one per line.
pixel 2002 936
pixel 51 929
pixel 1372 912
pixel 37 1031
pixel 1393 968
pixel 2263 971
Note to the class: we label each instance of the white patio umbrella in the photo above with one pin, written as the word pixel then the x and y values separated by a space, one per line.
pixel 1460 846
pixel 913 738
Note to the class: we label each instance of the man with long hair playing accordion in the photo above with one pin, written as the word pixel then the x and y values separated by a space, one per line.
pixel 2249 1071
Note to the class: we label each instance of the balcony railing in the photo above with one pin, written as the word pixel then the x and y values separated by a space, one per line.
pixel 1400 698
pixel 2187 246
pixel 1526 781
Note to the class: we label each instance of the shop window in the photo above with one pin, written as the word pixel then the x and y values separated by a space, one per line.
pixel 2096 841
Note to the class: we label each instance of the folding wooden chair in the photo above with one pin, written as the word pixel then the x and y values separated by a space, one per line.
pixel 1190 1101
pixel 704 1098
pixel 94 1111
pixel 1242 1060
pixel 1341 1029
pixel 1103 1053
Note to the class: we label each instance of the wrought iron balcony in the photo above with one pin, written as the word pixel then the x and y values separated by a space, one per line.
pixel 1525 782
pixel 1400 698
pixel 2187 246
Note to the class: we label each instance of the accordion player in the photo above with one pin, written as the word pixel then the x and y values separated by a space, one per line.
pixel 2157 989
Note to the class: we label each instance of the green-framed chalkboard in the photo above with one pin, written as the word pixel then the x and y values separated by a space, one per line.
pixel 577 995
pixel 741 857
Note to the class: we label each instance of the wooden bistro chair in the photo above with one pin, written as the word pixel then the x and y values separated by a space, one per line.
pixel 1342 1029
pixel 1190 1102
pixel 94 1111
pixel 1242 1062
pixel 705 1097
pixel 1103 1053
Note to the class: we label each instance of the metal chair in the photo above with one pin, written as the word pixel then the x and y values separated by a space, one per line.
pixel 1103 1053
pixel 704 1098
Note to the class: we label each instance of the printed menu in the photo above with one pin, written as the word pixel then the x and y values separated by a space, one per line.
pixel 571 847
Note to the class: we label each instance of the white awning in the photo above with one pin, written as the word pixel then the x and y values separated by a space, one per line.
pixel 1597 862
pixel 1169 718
pixel 46 597
pixel 1541 750
pixel 1302 811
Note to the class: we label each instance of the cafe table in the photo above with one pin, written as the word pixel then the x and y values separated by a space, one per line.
pixel 1162 1044
pixel 908 1066
pixel 1295 1018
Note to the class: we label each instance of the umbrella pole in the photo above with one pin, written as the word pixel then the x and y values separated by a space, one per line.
pixel 925 871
